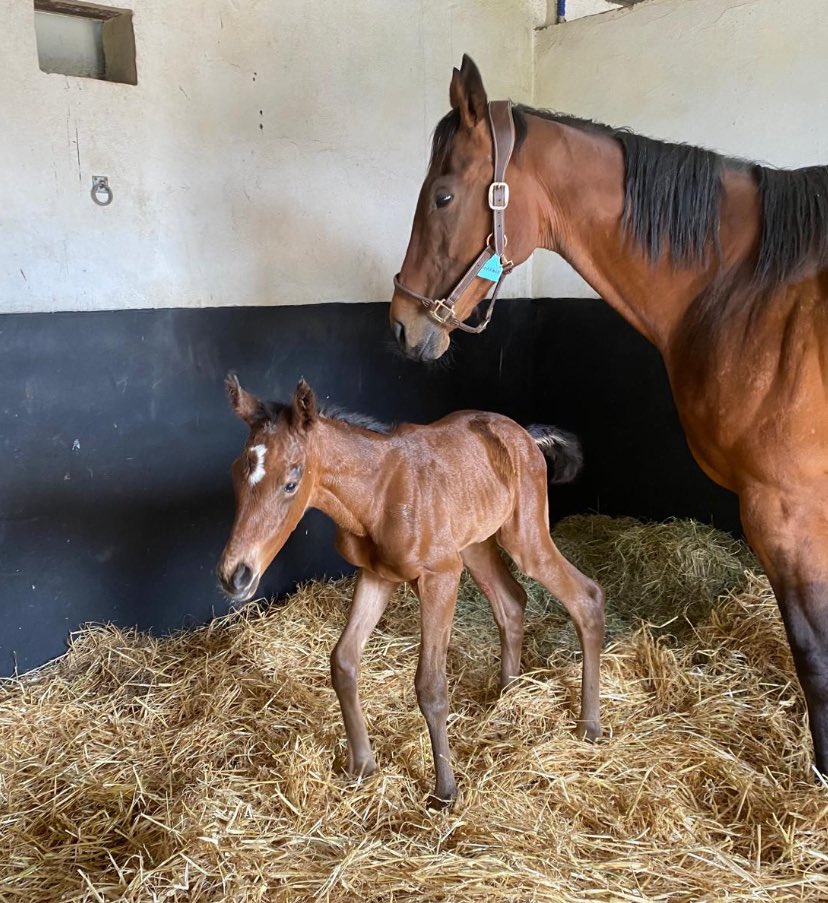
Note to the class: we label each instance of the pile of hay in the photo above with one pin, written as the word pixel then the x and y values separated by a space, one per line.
pixel 201 767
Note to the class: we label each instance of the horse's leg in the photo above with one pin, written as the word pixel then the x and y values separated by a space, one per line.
pixel 438 596
pixel 526 538
pixel 370 598
pixel 507 598
pixel 789 534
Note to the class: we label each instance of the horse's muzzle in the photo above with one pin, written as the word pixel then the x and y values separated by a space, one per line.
pixel 432 342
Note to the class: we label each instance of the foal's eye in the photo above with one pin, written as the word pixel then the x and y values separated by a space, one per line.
pixel 443 198
pixel 290 488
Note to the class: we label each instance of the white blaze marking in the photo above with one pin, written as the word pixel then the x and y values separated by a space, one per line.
pixel 258 471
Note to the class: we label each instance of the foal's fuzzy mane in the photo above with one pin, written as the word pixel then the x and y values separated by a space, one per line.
pixel 275 409
pixel 672 198
pixel 364 421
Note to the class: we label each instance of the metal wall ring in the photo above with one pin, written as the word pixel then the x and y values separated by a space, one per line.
pixel 101 192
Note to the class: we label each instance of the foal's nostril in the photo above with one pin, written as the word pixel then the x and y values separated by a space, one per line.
pixel 399 332
pixel 241 578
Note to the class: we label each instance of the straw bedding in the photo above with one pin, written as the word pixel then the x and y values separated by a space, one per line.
pixel 200 767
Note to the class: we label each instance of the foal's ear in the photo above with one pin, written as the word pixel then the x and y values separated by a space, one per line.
pixel 467 94
pixel 246 406
pixel 303 410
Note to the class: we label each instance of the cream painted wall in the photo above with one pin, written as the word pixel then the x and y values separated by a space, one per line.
pixel 218 203
pixel 746 77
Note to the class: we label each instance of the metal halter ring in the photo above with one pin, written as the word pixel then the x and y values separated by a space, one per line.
pixel 491 247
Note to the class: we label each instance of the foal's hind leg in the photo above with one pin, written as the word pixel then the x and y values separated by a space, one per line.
pixel 438 597
pixel 370 598
pixel 789 533
pixel 526 538
pixel 507 598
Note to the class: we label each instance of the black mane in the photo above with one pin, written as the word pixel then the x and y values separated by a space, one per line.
pixel 672 198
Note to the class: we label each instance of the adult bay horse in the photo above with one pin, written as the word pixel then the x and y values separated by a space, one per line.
pixel 412 504
pixel 722 264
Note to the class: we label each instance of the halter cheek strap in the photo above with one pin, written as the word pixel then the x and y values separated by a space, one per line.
pixel 442 310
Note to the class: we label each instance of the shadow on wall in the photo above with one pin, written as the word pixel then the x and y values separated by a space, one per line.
pixel 116 497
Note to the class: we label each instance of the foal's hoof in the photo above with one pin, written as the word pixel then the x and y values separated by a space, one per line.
pixel 589 730
pixel 356 771
pixel 439 803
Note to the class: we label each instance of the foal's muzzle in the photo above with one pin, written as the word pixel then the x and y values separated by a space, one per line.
pixel 241 584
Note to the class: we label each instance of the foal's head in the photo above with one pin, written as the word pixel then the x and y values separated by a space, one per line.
pixel 272 478
pixel 452 220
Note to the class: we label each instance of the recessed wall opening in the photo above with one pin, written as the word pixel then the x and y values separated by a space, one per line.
pixel 85 40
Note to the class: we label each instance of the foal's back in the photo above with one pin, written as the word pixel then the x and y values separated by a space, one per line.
pixel 456 481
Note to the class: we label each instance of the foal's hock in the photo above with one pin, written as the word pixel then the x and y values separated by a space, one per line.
pixel 412 504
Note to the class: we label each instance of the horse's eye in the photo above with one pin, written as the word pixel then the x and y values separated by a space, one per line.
pixel 290 488
pixel 443 198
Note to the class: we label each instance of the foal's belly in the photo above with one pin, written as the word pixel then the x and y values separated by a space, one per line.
pixel 430 537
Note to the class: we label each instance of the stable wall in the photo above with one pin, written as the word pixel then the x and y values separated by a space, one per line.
pixel 748 78
pixel 271 152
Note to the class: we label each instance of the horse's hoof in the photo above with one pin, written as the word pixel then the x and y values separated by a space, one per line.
pixel 438 803
pixel 589 730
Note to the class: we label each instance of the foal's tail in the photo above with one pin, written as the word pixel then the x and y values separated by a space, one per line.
pixel 562 449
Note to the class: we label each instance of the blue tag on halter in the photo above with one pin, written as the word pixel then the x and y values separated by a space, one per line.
pixel 491 269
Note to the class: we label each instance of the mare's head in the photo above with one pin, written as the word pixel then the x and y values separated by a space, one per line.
pixel 273 479
pixel 453 221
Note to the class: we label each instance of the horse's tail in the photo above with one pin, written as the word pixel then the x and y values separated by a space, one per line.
pixel 562 449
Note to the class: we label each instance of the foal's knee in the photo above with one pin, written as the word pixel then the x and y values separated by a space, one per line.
pixel 344 671
pixel 432 695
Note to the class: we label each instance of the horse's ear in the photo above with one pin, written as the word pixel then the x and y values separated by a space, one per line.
pixel 303 411
pixel 246 406
pixel 467 94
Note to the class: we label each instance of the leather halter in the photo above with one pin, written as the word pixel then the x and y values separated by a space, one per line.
pixel 503 138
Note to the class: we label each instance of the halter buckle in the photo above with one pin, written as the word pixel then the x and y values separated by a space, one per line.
pixel 501 201
pixel 435 309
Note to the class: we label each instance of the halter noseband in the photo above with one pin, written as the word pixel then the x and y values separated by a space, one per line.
pixel 490 263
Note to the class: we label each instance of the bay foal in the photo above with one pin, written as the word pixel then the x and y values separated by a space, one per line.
pixel 412 504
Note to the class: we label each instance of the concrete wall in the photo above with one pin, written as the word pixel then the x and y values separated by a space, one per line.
pixel 270 153
pixel 746 77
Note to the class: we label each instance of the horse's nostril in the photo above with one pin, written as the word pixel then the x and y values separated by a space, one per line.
pixel 241 577
pixel 399 332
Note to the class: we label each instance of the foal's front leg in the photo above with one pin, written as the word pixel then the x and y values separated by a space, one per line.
pixel 438 597
pixel 370 598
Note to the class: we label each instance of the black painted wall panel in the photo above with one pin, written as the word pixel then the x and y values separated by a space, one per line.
pixel 115 499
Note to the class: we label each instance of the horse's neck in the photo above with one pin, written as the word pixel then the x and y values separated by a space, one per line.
pixel 580 177
pixel 350 470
